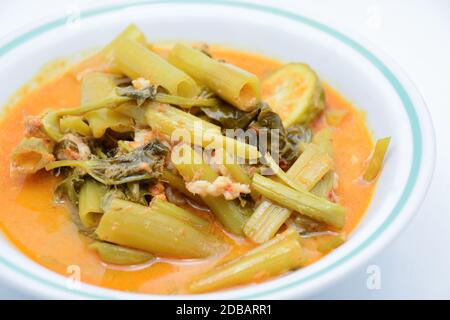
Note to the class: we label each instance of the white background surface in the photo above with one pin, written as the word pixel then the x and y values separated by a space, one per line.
pixel 417 35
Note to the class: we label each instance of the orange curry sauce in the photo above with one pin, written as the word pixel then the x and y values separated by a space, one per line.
pixel 44 231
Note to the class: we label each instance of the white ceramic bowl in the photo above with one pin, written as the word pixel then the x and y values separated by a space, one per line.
pixel 361 73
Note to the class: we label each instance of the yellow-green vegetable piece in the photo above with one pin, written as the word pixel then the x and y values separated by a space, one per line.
pixel 122 256
pixel 90 202
pixel 192 166
pixel 335 117
pixel 31 155
pixel 74 124
pixel 281 254
pixel 238 87
pixel 295 93
pixel 136 60
pixel 376 161
pixel 303 202
pixel 136 226
pixel 332 243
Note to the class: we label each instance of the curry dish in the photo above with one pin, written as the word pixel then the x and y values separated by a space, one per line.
pixel 183 169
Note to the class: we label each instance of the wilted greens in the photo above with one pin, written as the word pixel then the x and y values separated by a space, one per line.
pixel 287 141
pixel 229 117
pixel 140 95
pixel 151 93
pixel 144 163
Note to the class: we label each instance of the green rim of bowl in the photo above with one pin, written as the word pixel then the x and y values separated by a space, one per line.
pixel 401 92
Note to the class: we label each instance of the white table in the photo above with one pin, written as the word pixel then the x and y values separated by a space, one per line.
pixel 417 35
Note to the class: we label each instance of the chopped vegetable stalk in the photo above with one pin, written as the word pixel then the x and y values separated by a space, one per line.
pixel 96 86
pixel 167 119
pixel 31 155
pixel 295 93
pixel 238 173
pixel 122 256
pixel 90 203
pixel 281 175
pixel 236 86
pixel 180 125
pixel 232 146
pixel 269 217
pixel 51 118
pixel 133 225
pixel 265 221
pixel 186 103
pixel 191 166
pixel 151 93
pixel 310 167
pixel 131 32
pixel 307 226
pixel 324 186
pixel 301 201
pixel 178 183
pixel 132 110
pixel 323 139
pixel 332 243
pixel 103 119
pixel 135 60
pixel 376 160
pixel 281 254
pixel 144 163
pixel 74 124
pixel 179 213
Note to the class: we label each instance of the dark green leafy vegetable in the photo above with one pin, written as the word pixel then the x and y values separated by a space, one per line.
pixel 139 94
pixel 230 117
pixel 67 192
pixel 68 189
pixel 151 93
pixel 288 140
pixel 268 119
pixel 297 134
pixel 144 163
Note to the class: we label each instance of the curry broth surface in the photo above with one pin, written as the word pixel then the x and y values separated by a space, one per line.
pixel 44 231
